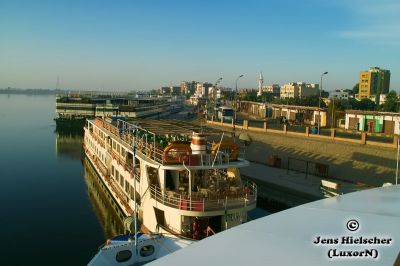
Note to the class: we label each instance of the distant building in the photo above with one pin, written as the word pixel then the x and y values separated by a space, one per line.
pixel 373 122
pixel 373 83
pixel 206 89
pixel 202 92
pixel 382 98
pixel 339 95
pixel 188 87
pixel 298 89
pixel 273 89
pixel 165 90
pixel 306 115
pixel 173 90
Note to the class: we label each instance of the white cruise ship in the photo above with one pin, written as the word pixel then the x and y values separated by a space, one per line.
pixel 185 180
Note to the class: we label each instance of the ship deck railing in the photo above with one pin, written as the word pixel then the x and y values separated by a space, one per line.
pixel 207 199
pixel 153 151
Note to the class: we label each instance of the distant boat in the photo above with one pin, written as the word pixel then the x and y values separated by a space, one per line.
pixel 73 109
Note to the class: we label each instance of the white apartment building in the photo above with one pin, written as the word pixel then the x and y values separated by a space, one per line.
pixel 339 94
pixel 274 89
pixel 298 89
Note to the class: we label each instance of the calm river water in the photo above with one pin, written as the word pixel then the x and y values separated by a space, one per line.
pixel 54 209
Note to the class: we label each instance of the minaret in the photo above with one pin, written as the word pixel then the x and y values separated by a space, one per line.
pixel 260 84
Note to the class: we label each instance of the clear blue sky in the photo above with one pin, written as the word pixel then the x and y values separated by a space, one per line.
pixel 125 45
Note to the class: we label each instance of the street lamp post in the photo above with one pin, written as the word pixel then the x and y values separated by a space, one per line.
pixel 235 99
pixel 237 81
pixel 397 164
pixel 319 102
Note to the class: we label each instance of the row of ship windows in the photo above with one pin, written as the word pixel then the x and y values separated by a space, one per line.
pixel 124 184
pixel 117 147
pixel 96 150
pixel 100 133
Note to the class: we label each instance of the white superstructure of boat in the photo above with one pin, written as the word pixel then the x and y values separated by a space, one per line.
pixel 76 107
pixel 123 250
pixel 185 179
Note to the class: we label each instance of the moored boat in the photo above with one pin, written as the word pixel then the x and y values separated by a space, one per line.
pixel 74 108
pixel 177 179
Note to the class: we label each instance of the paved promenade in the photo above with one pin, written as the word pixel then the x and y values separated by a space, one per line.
pixel 298 183
pixel 355 163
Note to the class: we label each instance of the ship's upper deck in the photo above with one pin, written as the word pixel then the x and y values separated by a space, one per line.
pixel 172 143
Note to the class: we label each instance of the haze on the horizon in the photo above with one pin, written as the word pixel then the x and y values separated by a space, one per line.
pixel 124 45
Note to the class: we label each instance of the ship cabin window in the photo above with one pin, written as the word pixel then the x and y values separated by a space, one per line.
pixel 129 159
pixel 117 175
pixel 123 255
pixel 171 180
pixel 127 186
pixel 137 165
pixel 132 189
pixel 152 174
pixel 147 251
pixel 183 177
pixel 121 181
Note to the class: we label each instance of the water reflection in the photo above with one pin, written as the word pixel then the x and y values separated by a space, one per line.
pixel 69 143
pixel 107 211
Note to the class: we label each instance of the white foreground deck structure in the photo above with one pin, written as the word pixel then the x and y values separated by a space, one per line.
pixel 288 237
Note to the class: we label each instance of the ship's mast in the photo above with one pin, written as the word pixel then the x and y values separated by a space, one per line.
pixel 134 190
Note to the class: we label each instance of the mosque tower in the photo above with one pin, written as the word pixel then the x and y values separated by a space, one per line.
pixel 260 84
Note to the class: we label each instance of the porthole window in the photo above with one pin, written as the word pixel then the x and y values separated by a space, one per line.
pixel 123 255
pixel 147 251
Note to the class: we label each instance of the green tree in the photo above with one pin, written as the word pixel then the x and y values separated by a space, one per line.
pixel 313 101
pixel 228 95
pixel 266 97
pixel 336 108
pixel 336 105
pixel 324 94
pixel 364 104
pixel 250 96
pixel 355 89
pixel 391 103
